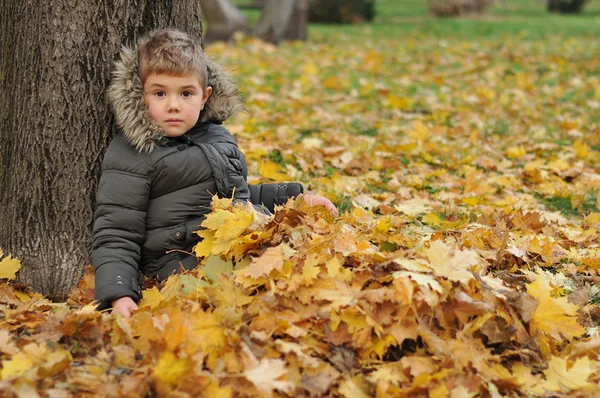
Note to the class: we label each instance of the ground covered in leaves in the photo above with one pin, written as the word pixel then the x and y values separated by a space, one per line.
pixel 464 262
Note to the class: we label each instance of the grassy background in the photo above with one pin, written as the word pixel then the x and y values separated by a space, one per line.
pixel 528 18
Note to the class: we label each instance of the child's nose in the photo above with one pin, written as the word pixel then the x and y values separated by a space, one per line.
pixel 173 103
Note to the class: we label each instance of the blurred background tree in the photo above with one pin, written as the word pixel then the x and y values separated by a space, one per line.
pixel 341 11
pixel 566 6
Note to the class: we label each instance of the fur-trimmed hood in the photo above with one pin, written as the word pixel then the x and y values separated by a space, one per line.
pixel 126 96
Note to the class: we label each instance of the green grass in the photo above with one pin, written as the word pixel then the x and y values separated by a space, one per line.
pixel 527 18
pixel 399 18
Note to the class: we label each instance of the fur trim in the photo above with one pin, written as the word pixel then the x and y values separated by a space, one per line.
pixel 126 96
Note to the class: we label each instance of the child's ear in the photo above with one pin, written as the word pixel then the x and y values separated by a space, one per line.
pixel 207 92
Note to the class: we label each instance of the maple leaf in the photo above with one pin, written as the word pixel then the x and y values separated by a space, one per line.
pixel 229 224
pixel 454 267
pixel 16 366
pixel 208 331
pixel 272 259
pixel 151 298
pixel 554 316
pixel 271 170
pixel 8 266
pixel 563 378
pixel 265 377
pixel 170 369
pixel 414 207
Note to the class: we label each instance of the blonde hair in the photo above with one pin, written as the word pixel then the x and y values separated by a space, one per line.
pixel 171 52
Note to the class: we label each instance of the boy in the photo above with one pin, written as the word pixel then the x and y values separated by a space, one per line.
pixel 160 172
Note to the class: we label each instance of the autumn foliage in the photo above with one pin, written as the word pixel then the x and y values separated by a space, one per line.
pixel 464 262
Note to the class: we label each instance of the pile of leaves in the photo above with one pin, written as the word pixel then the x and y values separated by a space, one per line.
pixel 464 262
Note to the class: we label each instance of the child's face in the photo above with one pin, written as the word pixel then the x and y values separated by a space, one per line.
pixel 175 102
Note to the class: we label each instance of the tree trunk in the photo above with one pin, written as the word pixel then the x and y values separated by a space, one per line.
pixel 341 11
pixel 223 19
pixel 56 57
pixel 297 27
pixel 274 20
pixel 566 6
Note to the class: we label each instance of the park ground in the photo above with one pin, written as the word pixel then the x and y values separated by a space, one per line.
pixel 463 156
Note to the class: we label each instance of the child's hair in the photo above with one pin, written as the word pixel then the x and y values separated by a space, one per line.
pixel 171 52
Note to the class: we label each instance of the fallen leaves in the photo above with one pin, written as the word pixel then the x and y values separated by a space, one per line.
pixel 8 266
pixel 464 262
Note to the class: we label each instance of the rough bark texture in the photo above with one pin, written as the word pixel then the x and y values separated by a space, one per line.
pixel 55 58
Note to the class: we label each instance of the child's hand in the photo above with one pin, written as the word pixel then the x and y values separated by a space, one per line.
pixel 124 306
pixel 316 200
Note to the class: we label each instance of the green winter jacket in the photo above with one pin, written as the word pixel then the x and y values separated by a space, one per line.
pixel 155 191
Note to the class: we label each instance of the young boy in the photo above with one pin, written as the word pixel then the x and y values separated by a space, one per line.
pixel 160 172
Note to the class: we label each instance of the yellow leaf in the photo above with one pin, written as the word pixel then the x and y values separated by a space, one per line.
pixel 440 391
pixel 432 219
pixel 398 102
pixel 593 218
pixel 213 390
pixel 16 366
pixel 515 152
pixel 272 170
pixel 414 206
pixel 209 334
pixel 170 369
pixel 353 319
pixel 561 379
pixel 333 267
pixel 9 266
pixel 228 224
pixel 471 201
pixel 581 149
pixel 554 316
pixel 205 246
pixel 420 130
pixel 271 259
pixel 597 93
pixel 175 328
pixel 151 298
pixel 310 69
pixel 310 270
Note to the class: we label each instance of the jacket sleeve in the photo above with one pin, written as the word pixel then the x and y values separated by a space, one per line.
pixel 270 195
pixel 119 231
pixel 230 170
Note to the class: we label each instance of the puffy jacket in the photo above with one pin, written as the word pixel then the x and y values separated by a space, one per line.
pixel 155 191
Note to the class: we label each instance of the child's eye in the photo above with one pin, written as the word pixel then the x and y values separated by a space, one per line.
pixel 160 93
pixel 187 94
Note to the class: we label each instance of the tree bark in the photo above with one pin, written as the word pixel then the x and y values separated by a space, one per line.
pixel 56 57
pixel 223 19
